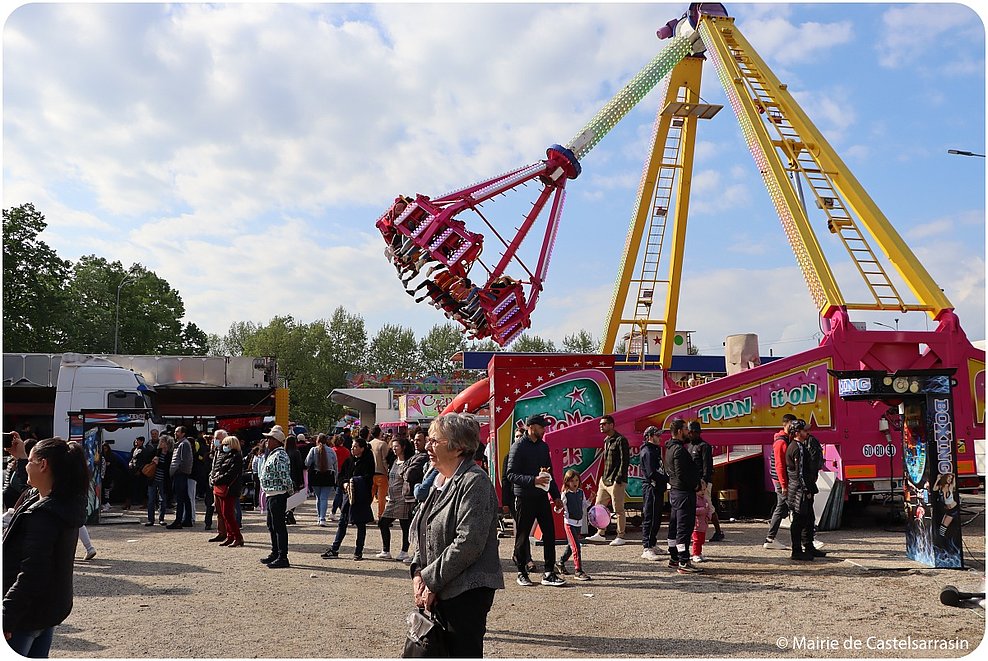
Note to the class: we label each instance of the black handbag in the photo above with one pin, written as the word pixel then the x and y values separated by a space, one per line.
pixel 426 637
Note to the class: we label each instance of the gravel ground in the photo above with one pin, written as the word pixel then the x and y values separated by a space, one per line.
pixel 156 593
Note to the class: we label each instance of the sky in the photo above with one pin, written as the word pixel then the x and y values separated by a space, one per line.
pixel 243 152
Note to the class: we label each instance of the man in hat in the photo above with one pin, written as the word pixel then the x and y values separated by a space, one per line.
pixel 613 486
pixel 530 473
pixel 654 481
pixel 276 480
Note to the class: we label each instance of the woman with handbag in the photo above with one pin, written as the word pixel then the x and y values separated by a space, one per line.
pixel 356 477
pixel 227 481
pixel 456 568
pixel 321 464
pixel 156 470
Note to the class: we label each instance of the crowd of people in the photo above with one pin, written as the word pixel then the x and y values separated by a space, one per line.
pixel 429 481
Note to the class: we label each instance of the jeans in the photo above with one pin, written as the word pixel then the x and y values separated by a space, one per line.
pixel 183 508
pixel 682 519
pixel 781 511
pixel 277 506
pixel 337 501
pixel 384 523
pixel 465 619
pixel 341 529
pixel 530 510
pixel 651 514
pixel 192 499
pixel 573 537
pixel 323 495
pixel 32 644
pixel 156 500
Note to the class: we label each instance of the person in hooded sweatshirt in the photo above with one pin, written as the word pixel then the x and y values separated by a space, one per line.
pixel 39 545
pixel 684 482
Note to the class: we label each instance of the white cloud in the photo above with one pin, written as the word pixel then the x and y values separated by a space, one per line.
pixel 911 32
pixel 780 41
pixel 710 193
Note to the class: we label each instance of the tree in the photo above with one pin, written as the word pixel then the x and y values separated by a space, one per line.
pixel 483 345
pixel 236 338
pixel 441 342
pixel 150 311
pixel 34 299
pixel 582 342
pixel 394 350
pixel 532 344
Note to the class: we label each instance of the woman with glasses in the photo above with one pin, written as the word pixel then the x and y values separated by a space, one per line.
pixel 456 567
pixel 39 545
pixel 228 480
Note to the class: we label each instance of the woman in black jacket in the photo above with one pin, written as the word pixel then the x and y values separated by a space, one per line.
pixel 356 476
pixel 297 470
pixel 39 545
pixel 228 482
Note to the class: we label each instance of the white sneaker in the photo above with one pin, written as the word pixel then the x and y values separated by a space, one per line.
pixel 596 537
pixel 618 541
pixel 774 545
pixel 322 523
pixel 333 517
pixel 650 554
pixel 698 558
pixel 386 555
pixel 817 544
pixel 105 508
pixel 401 557
pixel 90 554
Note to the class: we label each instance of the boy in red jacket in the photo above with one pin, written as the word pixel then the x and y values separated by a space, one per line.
pixel 777 469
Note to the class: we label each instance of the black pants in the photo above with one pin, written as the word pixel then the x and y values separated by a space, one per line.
pixel 651 514
pixel 210 507
pixel 780 512
pixel 465 620
pixel 530 510
pixel 384 523
pixel 342 527
pixel 801 529
pixel 682 518
pixel 277 505
pixel 138 489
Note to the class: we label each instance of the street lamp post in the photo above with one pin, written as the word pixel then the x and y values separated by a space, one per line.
pixel 116 326
pixel 964 152
pixel 878 323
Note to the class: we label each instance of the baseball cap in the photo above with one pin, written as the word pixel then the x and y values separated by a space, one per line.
pixel 276 434
pixel 537 419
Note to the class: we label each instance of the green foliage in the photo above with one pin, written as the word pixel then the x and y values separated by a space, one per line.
pixel 483 345
pixel 582 342
pixel 394 350
pixel 441 342
pixel 52 305
pixel 532 344
pixel 34 300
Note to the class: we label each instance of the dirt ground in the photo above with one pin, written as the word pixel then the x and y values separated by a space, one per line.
pixel 153 593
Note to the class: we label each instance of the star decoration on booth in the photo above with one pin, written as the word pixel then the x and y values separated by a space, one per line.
pixel 576 396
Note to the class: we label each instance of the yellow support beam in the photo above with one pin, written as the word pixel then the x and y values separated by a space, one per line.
pixel 715 32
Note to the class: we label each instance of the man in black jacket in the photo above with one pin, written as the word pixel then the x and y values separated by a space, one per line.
pixel 802 470
pixel 703 455
pixel 654 483
pixel 529 471
pixel 684 482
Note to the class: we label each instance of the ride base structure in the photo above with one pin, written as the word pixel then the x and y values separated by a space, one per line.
pixel 810 187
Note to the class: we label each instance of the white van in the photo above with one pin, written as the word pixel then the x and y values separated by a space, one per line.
pixel 93 382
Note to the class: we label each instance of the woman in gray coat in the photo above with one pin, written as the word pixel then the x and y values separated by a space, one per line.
pixel 456 568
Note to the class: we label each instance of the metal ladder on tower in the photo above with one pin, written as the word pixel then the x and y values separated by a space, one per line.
pixel 803 162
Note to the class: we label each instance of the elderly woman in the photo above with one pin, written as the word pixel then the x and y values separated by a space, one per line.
pixel 227 478
pixel 456 569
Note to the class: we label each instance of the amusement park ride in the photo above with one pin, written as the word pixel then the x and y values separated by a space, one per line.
pixel 790 153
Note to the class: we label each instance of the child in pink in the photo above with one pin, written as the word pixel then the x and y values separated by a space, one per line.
pixel 703 513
